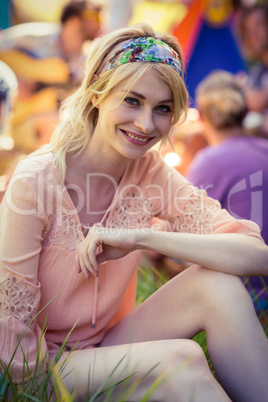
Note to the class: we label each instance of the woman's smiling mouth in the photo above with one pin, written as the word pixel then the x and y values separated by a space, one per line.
pixel 136 139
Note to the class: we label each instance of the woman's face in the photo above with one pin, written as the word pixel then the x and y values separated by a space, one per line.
pixel 140 121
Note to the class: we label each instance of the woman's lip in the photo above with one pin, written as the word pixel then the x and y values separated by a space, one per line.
pixel 136 138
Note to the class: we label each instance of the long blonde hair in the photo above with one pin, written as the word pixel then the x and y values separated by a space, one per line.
pixel 78 116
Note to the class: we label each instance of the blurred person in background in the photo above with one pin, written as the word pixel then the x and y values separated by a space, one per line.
pixel 253 28
pixel 8 94
pixel 48 60
pixel 79 22
pixel 233 168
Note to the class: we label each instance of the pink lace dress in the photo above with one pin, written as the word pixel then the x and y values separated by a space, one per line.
pixel 40 231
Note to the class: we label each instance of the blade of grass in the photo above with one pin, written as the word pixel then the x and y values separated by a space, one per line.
pixel 106 380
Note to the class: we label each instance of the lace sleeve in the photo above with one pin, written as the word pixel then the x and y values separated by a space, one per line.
pixel 18 328
pixel 22 220
pixel 18 301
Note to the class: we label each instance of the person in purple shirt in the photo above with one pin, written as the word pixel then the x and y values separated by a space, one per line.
pixel 234 167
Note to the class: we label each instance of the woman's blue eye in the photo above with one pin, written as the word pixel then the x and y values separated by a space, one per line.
pixel 164 108
pixel 131 101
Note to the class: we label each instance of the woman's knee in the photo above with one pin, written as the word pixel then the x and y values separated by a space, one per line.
pixel 192 367
pixel 218 290
pixel 183 368
pixel 185 353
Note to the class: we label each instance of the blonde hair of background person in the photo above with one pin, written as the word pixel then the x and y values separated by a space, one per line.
pixel 107 129
pixel 221 100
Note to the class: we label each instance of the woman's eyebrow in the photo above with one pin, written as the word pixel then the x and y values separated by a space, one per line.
pixel 138 95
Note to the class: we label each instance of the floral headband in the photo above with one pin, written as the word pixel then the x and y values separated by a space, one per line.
pixel 144 49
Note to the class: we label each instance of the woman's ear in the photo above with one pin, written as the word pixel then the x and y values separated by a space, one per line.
pixel 94 101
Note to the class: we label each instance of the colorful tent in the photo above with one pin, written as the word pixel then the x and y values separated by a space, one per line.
pixel 207 37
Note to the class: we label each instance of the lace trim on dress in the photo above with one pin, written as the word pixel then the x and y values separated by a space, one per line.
pixel 63 229
pixel 195 211
pixel 18 300
pixel 134 209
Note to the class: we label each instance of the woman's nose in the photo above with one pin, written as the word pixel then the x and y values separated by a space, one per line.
pixel 144 121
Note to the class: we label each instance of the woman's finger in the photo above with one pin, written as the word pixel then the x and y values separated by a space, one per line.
pixel 77 264
pixel 82 264
pixel 84 269
pixel 92 252
pixel 90 263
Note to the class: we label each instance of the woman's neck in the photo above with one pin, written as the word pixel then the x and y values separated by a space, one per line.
pixel 98 161
pixel 215 136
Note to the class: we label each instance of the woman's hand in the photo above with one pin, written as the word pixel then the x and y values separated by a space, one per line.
pixel 103 244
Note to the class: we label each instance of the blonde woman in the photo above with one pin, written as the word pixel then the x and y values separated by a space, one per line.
pixel 76 218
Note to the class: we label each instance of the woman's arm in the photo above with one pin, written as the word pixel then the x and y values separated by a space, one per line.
pixel 21 223
pixel 232 253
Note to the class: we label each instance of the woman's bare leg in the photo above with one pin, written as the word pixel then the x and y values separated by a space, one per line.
pixel 186 375
pixel 201 299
